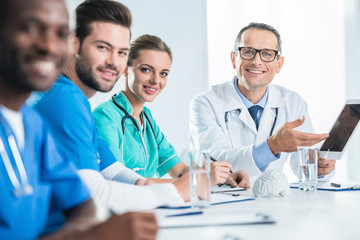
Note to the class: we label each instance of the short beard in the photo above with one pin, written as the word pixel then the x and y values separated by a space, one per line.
pixel 86 76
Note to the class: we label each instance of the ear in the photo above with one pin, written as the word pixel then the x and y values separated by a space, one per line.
pixel 233 59
pixel 74 45
pixel 280 63
pixel 125 73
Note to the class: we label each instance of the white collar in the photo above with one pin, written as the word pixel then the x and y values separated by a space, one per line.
pixel 232 101
pixel 15 120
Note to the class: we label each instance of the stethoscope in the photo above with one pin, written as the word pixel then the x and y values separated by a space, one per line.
pixel 128 116
pixel 239 111
pixel 23 189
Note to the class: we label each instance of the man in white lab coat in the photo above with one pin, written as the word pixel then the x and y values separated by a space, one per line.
pixel 248 121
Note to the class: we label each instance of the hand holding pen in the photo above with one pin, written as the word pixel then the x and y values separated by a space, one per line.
pixel 221 173
pixel 214 160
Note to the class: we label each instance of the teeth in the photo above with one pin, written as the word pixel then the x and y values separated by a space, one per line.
pixel 108 73
pixel 254 71
pixel 44 65
pixel 151 89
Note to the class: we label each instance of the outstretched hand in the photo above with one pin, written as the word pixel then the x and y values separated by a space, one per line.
pixel 286 139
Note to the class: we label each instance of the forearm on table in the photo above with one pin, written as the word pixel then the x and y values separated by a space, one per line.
pixel 162 180
pixel 178 170
pixel 78 219
pixel 118 172
pixel 121 197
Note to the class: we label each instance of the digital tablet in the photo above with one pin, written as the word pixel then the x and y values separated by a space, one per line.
pixel 333 147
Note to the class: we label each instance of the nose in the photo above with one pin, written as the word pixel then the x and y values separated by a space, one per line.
pixel 113 59
pixel 155 78
pixel 256 60
pixel 49 43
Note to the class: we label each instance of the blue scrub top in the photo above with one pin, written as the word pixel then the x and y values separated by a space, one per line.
pixel 161 155
pixel 67 111
pixel 56 185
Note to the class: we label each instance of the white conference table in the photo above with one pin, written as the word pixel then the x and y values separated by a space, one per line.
pixel 301 215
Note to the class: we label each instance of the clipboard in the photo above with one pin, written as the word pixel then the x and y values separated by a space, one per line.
pixel 226 188
pixel 206 219
pixel 329 187
pixel 216 199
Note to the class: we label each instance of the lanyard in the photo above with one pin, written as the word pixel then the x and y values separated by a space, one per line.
pixel 25 188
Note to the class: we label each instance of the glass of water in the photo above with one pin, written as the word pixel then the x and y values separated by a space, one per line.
pixel 200 178
pixel 308 168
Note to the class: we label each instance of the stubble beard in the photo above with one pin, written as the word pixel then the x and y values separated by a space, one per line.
pixel 87 76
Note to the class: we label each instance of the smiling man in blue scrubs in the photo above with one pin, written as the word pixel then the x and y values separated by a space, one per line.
pixel 101 46
pixel 31 171
pixel 34 179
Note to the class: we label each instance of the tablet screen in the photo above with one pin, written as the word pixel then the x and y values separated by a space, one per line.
pixel 342 129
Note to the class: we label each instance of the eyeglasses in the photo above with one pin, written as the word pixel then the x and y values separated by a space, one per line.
pixel 249 53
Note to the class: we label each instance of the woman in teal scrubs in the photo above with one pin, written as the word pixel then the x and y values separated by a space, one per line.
pixel 141 145
pixel 129 127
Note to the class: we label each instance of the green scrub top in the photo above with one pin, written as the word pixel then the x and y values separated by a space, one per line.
pixel 161 155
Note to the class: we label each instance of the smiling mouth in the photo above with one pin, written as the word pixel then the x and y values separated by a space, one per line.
pixel 43 67
pixel 255 71
pixel 108 73
pixel 149 89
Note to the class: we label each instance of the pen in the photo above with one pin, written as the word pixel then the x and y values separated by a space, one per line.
pixel 185 214
pixel 335 185
pixel 227 193
pixel 214 160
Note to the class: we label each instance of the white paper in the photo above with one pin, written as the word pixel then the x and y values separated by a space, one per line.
pixel 327 186
pixel 214 219
pixel 217 198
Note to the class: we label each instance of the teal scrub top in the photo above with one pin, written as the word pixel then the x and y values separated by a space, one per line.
pixel 161 155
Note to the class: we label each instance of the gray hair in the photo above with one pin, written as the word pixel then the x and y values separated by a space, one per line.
pixel 261 26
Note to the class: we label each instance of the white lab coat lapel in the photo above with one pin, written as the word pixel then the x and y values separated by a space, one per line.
pixel 246 118
pixel 232 101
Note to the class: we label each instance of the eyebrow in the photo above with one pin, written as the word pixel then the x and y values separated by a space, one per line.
pixel 38 21
pixel 149 66
pixel 109 44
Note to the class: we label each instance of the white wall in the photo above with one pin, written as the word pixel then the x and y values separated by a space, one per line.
pixel 313 47
pixel 182 25
pixel 352 61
